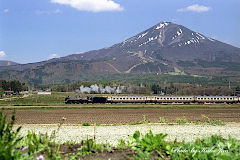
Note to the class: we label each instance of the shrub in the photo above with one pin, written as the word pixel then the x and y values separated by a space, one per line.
pixel 9 138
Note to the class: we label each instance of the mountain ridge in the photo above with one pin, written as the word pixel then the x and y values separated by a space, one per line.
pixel 7 63
pixel 164 48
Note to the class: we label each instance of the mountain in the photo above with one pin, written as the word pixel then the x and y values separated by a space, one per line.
pixel 7 63
pixel 163 48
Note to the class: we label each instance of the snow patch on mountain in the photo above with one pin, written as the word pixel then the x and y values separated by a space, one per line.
pixel 211 39
pixel 142 35
pixel 202 37
pixel 162 25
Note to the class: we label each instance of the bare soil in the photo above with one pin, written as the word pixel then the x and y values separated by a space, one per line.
pixel 121 116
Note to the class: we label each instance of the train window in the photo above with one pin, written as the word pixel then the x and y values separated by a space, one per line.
pixel 177 98
pixel 136 98
pixel 167 98
pixel 180 98
pixel 130 98
pixel 120 98
pixel 133 98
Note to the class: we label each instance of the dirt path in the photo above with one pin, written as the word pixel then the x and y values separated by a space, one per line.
pixel 120 116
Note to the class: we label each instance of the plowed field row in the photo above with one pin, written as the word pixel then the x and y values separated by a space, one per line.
pixel 120 116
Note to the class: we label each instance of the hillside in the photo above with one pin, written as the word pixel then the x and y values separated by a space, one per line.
pixel 7 63
pixel 163 48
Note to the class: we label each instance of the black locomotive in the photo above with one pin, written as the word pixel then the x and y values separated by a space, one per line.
pixel 81 100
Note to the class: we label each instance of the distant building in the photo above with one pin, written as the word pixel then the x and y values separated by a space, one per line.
pixel 44 93
pixel 9 92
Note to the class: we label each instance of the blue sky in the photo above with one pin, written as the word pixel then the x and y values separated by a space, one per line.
pixel 36 30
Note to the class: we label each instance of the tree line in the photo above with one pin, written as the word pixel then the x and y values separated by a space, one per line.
pixel 14 85
pixel 156 88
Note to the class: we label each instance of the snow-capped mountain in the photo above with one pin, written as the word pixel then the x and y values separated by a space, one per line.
pixel 166 45
pixel 164 48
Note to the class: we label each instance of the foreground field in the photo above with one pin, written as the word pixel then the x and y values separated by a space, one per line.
pixel 118 142
pixel 121 115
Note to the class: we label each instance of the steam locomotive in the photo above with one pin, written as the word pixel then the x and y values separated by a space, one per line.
pixel 153 99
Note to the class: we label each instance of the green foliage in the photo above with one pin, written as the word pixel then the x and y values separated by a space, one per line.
pixel 217 123
pixel 14 85
pixel 149 143
pixel 41 143
pixel 9 138
pixel 122 144
pixel 162 120
pixel 39 100
pixel 186 64
pixel 86 124
pixel 182 120
pixel 233 66
pixel 151 146
pixel 158 83
pixel 197 122
pixel 145 119
pixel 31 146
pixel 150 67
pixel 207 120
pixel 89 146
pixel 137 123
pixel 214 147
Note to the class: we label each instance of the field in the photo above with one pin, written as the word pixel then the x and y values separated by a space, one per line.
pixel 92 131
pixel 122 115
pixel 49 109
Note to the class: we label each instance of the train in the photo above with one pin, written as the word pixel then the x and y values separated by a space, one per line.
pixel 153 99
